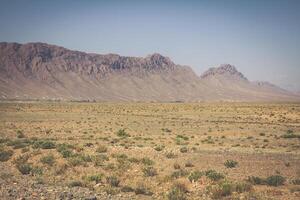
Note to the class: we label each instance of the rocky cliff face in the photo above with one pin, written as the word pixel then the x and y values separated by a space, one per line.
pixel 43 71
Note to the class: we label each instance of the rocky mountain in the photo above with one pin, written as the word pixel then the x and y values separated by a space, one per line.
pixel 43 71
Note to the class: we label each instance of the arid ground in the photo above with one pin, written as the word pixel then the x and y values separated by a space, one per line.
pixel 64 150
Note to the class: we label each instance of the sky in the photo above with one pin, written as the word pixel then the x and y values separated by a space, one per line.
pixel 260 37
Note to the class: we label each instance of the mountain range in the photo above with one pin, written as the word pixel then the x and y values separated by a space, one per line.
pixel 43 71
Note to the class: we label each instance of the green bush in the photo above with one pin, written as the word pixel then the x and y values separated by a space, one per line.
pixel 213 175
pixel 179 173
pixel 65 150
pixel 275 180
pixel 177 193
pixel 5 155
pixel 230 163
pixel 195 175
pixel 147 161
pixel 44 144
pixel 96 177
pixel 113 181
pixel 24 168
pixel 49 160
pixel 122 133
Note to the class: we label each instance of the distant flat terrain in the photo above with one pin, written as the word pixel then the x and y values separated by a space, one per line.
pixel 69 150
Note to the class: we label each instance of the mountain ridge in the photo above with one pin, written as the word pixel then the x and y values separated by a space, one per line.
pixel 43 71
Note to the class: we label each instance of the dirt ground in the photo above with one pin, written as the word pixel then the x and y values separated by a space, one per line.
pixel 73 150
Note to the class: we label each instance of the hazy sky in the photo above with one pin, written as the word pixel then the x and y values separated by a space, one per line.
pixel 261 38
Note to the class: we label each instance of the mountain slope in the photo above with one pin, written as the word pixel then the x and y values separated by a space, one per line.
pixel 42 71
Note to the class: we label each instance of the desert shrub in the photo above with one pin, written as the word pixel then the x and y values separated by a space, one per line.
pixel 241 187
pixel 100 159
pixel 213 175
pixel 159 148
pixel 96 177
pixel 256 180
pixel 76 184
pixel 44 144
pixel 147 161
pixel 177 193
pixel 101 149
pixel 290 136
pixel 122 133
pixel 127 189
pixel 296 181
pixel 275 180
pixel 79 159
pixel 222 189
pixel 183 149
pixel 142 189
pixel 149 171
pixel 195 175
pixel 189 164
pixel 179 173
pixel 24 168
pixel 176 166
pixel 19 143
pixel 65 150
pixel 113 181
pixel 230 163
pixel 20 134
pixel 37 171
pixel 133 160
pixel 48 159
pixel 182 137
pixel 5 155
pixel 170 155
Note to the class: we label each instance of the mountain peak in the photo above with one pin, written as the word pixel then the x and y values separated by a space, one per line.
pixel 223 69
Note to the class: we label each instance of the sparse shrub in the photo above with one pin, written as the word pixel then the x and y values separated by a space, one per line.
pixel 122 133
pixel 189 164
pixel 133 160
pixel 149 171
pixel 243 187
pixel 49 160
pixel 127 189
pixel 230 163
pixel 179 173
pixel 100 159
pixel 24 168
pixel 65 150
pixel 182 137
pixel 275 180
pixel 183 149
pixel 5 155
pixel 44 144
pixel 170 155
pixel 176 193
pixel 19 143
pixel 147 161
pixel 113 181
pixel 221 190
pixel 296 181
pixel 37 171
pixel 101 149
pixel 20 134
pixel 159 148
pixel 213 175
pixel 76 184
pixel 142 189
pixel 256 180
pixel 96 177
pixel 176 166
pixel 195 175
